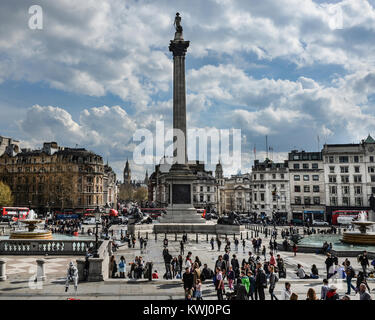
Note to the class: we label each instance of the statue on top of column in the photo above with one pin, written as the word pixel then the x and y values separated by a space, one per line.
pixel 177 23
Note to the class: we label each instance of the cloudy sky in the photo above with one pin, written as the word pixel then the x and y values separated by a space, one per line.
pixel 100 70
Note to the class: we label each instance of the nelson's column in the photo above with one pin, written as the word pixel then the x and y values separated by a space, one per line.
pixel 181 213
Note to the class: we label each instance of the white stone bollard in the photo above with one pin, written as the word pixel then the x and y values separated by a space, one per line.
pixel 40 274
pixel 3 275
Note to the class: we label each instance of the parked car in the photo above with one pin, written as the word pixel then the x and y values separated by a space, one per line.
pixel 320 223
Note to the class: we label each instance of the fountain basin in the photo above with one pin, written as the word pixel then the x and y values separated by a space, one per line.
pixel 32 232
pixel 353 237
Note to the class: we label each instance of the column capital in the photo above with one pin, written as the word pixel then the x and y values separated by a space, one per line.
pixel 178 47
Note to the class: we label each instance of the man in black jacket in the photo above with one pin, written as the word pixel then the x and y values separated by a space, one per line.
pixel 329 263
pixel 188 280
pixel 207 273
pixel 167 260
pixel 220 263
pixel 235 265
pixel 363 260
pixel 260 282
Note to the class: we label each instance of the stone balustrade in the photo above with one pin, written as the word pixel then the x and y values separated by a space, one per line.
pixel 43 247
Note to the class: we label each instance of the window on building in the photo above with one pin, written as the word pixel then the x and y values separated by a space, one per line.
pixel 357 189
pixel 344 169
pixel 333 201
pixel 297 188
pixel 306 177
pixel 201 188
pixel 297 200
pixel 331 169
pixel 208 188
pixel 356 159
pixel 262 186
pixel 345 201
pixel 345 179
pixel 343 159
pixel 261 176
pixel 305 166
pixel 296 166
pixel 296 178
pixel 315 188
pixel 332 190
pixel 262 197
pixel 345 189
pixel 208 198
pixel 255 176
pixel 372 178
pixel 357 179
pixel 282 186
pixel 373 190
pixel 356 169
pixel 332 179
pixel 371 169
pixel 255 197
pixel 358 201
pixel 371 159
pixel 314 166
pixel 316 200
pixel 306 189
pixel 273 176
pixel 282 175
pixel 315 177
pixel 201 198
pixel 307 200
pixel 331 159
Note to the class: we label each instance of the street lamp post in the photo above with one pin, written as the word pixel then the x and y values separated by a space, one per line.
pixel 97 220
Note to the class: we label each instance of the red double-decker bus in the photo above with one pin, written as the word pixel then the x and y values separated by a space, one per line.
pixel 14 213
pixel 345 216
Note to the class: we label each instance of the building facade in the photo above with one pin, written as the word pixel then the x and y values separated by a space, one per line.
pixel 54 177
pixel 306 185
pixel 110 188
pixel 235 194
pixel 349 174
pixel 270 194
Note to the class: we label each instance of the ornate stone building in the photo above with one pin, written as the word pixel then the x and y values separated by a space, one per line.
pixel 54 177
pixel 9 145
pixel 110 188
pixel 205 187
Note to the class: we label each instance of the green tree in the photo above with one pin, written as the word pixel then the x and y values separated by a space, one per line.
pixel 141 194
pixel 6 197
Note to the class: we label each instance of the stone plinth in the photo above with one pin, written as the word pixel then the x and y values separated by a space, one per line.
pixel 3 275
pixel 208 227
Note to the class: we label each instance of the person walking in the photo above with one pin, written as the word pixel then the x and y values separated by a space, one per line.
pixel 236 243
pixel 264 252
pixel 363 260
pixel 122 267
pixel 260 282
pixel 245 281
pixel 324 290
pixel 212 242
pixel 218 244
pixel 188 281
pixel 350 274
pixel 71 275
pixel 182 248
pixel 219 284
pixel 198 290
pixel 295 249
pixel 236 266
pixel 328 262
pixel 231 277
pixel 273 279
pixel 244 245
pixel 112 267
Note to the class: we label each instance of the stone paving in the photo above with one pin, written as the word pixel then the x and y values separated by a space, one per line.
pixel 18 285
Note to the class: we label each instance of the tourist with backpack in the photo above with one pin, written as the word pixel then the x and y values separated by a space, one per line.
pixel 363 260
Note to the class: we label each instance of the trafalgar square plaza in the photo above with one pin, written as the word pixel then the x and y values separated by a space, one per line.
pixel 290 224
